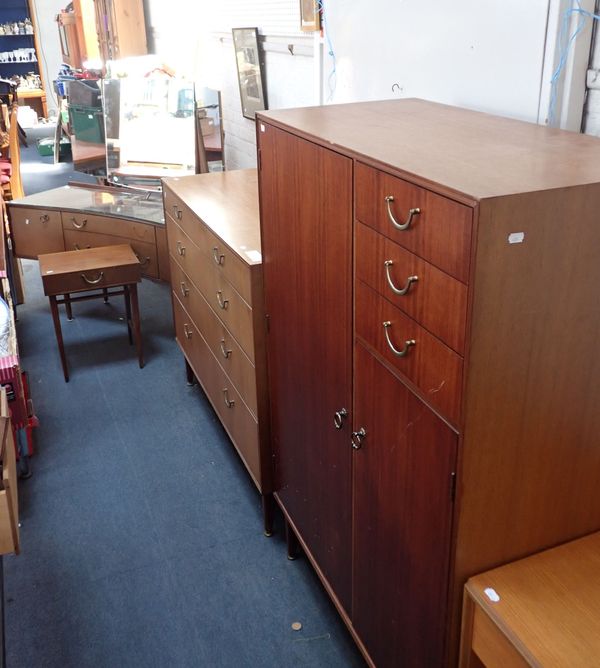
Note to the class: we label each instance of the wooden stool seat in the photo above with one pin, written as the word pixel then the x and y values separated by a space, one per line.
pixel 96 271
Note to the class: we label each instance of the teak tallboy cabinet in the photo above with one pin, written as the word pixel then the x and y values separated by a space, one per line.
pixel 432 282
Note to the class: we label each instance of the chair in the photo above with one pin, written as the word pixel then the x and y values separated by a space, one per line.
pixel 10 169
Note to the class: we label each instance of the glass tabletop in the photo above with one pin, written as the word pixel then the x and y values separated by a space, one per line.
pixel 143 206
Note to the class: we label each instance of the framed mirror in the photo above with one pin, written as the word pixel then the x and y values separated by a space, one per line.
pixel 250 71
pixel 150 127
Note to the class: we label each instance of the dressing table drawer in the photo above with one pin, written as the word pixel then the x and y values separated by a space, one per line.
pixel 118 227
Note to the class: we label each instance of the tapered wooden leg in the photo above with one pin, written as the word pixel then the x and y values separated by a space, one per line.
pixel 135 319
pixel 268 508
pixel 128 312
pixel 293 547
pixel 68 307
pixel 189 373
pixel 59 338
pixel 105 293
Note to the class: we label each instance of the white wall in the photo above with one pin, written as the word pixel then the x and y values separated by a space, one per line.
pixel 482 54
pixel 45 13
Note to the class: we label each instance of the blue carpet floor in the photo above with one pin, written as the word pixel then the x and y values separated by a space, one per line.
pixel 141 531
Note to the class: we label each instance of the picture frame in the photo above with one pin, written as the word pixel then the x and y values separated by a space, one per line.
pixel 251 78
pixel 310 15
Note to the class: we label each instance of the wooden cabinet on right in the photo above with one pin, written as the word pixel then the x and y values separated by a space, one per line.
pixel 431 278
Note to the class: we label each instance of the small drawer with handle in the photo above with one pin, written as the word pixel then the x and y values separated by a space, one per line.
pixel 118 227
pixel 231 266
pixel 92 279
pixel 178 212
pixel 436 228
pixel 434 368
pixel 431 297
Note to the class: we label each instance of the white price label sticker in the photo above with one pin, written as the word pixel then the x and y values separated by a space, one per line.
pixel 491 594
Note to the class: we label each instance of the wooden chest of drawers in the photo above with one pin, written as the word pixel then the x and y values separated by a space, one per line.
pixel 431 284
pixel 216 278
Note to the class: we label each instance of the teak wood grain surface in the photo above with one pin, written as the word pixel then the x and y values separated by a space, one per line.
pixel 548 608
pixel 227 204
pixel 93 258
pixel 520 226
pixel 308 270
pixel 400 560
pixel 454 151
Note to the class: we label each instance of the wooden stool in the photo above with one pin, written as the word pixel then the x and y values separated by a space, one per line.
pixel 93 269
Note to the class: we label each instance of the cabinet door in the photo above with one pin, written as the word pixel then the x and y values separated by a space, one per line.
pixel 306 231
pixel 402 520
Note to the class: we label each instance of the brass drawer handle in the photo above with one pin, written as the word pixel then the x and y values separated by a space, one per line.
pixel 219 259
pixel 358 437
pixel 230 403
pixel 178 212
pixel 407 344
pixel 187 331
pixel 399 291
pixel 223 303
pixel 44 218
pixel 185 291
pixel 411 214
pixel 77 225
pixel 93 281
pixel 142 261
pixel 226 353
pixel 338 418
pixel 180 248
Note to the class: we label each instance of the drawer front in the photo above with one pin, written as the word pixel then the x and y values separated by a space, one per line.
pixel 179 213
pixel 429 364
pixel 77 239
pixel 440 233
pixel 239 423
pixel 236 364
pixel 232 267
pixel 126 229
pixel 226 262
pixel 491 645
pixel 219 293
pixel 434 299
pixel 35 231
pixel 78 281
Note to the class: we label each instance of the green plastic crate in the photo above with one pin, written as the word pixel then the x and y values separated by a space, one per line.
pixel 87 123
pixel 46 147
